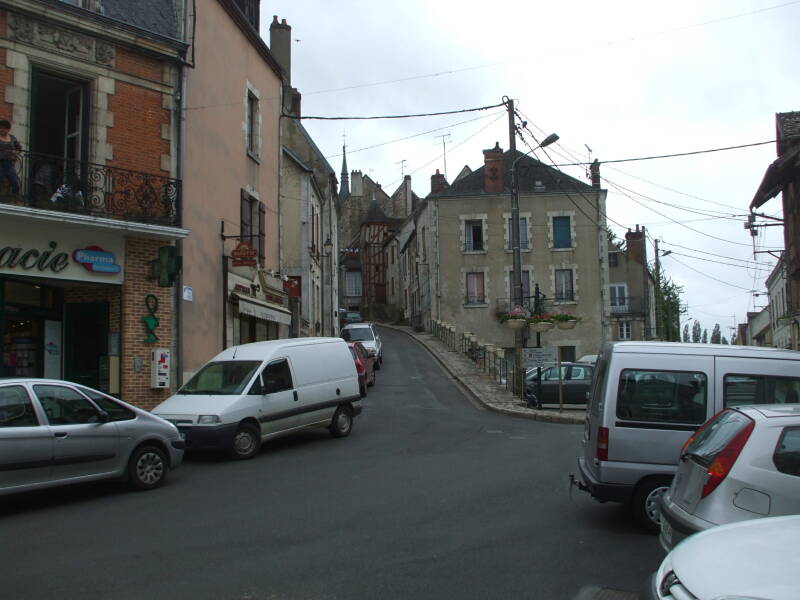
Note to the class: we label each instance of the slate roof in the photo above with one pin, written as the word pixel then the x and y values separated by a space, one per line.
pixel 156 16
pixel 530 172
pixel 375 214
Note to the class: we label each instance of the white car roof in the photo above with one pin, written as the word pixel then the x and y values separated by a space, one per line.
pixel 770 411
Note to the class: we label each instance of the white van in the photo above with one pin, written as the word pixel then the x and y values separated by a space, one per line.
pixel 648 397
pixel 255 392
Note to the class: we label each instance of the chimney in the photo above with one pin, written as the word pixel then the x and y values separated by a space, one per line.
pixel 635 244
pixel 438 183
pixel 594 169
pixel 292 99
pixel 409 197
pixel 493 170
pixel 280 45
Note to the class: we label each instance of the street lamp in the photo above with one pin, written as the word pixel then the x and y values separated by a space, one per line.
pixel 516 275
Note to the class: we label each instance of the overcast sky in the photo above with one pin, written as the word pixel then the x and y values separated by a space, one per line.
pixel 627 79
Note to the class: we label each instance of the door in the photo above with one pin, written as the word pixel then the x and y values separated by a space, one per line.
pixel 279 402
pixel 73 136
pixel 26 445
pixel 83 446
pixel 85 341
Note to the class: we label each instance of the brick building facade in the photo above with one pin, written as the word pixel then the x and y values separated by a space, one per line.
pixel 91 93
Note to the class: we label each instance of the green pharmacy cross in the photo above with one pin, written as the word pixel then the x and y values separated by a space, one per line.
pixel 151 321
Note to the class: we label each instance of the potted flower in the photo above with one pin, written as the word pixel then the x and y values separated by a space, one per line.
pixel 540 323
pixel 516 318
pixel 564 320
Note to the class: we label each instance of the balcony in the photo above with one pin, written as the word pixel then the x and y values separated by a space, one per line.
pixel 72 186
pixel 627 306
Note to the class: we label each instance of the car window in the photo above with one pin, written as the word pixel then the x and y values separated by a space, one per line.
pixel 580 372
pixel 278 377
pixel 787 452
pixel 65 406
pixel 116 412
pixel 662 396
pixel 16 408
pixel 742 389
pixel 715 436
pixel 551 373
pixel 357 334
pixel 223 378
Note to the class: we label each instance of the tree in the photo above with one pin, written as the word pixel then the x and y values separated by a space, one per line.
pixel 686 332
pixel 716 335
pixel 705 336
pixel 724 340
pixel 668 309
pixel 696 332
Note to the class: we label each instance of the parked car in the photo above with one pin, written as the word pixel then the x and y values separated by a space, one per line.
pixel 588 358
pixel 742 464
pixel 350 316
pixel 749 559
pixel 365 366
pixel 576 380
pixel 366 334
pixel 255 392
pixel 647 398
pixel 54 432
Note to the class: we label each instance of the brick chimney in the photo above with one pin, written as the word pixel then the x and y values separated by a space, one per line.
pixel 280 45
pixel 594 169
pixel 438 183
pixel 634 241
pixel 493 182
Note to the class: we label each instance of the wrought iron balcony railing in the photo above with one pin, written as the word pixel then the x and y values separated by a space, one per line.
pixel 73 186
pixel 627 305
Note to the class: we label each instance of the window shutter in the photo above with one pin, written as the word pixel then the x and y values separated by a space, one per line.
pixel 262 233
pixel 244 219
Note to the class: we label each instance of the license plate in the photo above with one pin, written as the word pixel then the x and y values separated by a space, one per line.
pixel 666 531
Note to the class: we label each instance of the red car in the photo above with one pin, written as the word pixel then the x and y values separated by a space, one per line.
pixel 365 365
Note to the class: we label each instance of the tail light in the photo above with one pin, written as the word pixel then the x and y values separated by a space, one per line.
pixel 602 443
pixel 723 462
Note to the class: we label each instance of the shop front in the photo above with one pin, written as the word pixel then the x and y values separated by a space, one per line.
pixel 60 303
pixel 257 308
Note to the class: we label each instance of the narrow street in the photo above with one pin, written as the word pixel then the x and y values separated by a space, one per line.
pixel 430 497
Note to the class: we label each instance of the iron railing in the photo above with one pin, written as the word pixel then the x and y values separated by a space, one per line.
pixel 627 305
pixel 74 186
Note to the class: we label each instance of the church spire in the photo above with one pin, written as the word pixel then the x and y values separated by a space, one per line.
pixel 344 188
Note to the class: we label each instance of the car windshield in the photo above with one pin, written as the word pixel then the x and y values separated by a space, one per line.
pixel 358 334
pixel 225 378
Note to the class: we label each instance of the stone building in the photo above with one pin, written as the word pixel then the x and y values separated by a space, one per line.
pixel 631 289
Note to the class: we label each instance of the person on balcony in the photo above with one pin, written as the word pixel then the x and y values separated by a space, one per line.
pixel 9 153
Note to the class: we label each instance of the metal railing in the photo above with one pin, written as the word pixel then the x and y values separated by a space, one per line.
pixel 73 186
pixel 627 305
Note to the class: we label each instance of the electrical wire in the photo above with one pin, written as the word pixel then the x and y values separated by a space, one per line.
pixel 712 254
pixel 409 116
pixel 709 276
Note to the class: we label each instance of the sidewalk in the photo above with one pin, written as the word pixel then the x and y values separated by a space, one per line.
pixel 482 389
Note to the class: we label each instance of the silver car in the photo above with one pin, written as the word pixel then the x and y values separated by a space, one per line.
pixel 366 334
pixel 743 464
pixel 55 432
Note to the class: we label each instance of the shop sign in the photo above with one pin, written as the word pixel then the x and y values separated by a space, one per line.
pixel 293 287
pixel 96 260
pixel 274 298
pixel 244 255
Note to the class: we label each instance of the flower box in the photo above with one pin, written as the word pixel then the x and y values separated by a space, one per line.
pixel 516 323
pixel 570 324
pixel 541 326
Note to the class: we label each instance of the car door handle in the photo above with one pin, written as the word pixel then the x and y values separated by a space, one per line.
pixel 60 434
pixel 295 396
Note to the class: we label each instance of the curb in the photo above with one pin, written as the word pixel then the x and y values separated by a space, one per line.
pixel 548 417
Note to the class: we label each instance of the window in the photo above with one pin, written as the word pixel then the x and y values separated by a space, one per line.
pixel 618 294
pixel 475 294
pixel 352 283
pixel 662 396
pixel 738 390
pixel 523 233
pixel 787 452
pixel 581 372
pixel 473 236
pixel 526 284
pixel 16 408
pixel 624 330
pixel 116 411
pixel 251 124
pixel 65 406
pixel 253 229
pixel 564 286
pixel 226 377
pixel 562 232
pixel 277 377
pixel 613 259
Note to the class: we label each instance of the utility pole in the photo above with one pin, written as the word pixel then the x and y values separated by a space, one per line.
pixel 658 289
pixel 516 275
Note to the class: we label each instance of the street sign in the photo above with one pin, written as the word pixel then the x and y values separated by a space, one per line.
pixel 539 357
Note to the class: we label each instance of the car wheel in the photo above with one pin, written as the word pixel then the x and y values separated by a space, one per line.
pixel 342 422
pixel 246 442
pixel 372 381
pixel 147 468
pixel 646 504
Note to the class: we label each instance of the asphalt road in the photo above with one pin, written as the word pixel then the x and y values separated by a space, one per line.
pixel 430 497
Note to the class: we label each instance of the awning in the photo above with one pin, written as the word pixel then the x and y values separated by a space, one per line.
pixel 778 174
pixel 263 310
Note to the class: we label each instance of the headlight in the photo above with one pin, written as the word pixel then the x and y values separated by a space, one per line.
pixel 208 420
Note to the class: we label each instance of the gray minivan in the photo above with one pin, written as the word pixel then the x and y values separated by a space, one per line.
pixel 648 397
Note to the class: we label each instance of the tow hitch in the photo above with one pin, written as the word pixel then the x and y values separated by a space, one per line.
pixel 575 482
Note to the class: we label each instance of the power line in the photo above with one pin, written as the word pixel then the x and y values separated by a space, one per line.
pixel 712 254
pixel 709 276
pixel 410 116
pixel 719 262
